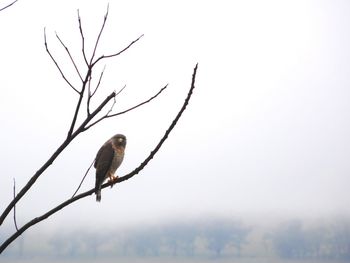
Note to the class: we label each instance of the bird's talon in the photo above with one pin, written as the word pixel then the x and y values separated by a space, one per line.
pixel 113 180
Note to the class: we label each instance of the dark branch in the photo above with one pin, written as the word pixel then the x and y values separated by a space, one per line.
pixel 99 81
pixel 120 91
pixel 138 105
pixel 77 108
pixel 125 111
pixel 83 125
pixel 70 56
pixel 53 158
pixel 3 8
pixel 119 180
pixel 58 67
pixel 99 35
pixel 82 180
pixel 118 53
pixel 91 94
pixel 32 180
pixel 165 136
pixel 14 208
pixel 82 39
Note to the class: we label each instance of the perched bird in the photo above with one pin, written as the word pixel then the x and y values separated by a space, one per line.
pixel 107 161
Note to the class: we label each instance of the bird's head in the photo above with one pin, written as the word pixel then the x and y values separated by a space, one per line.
pixel 119 140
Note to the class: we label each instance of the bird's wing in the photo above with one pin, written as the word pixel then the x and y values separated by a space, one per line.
pixel 103 161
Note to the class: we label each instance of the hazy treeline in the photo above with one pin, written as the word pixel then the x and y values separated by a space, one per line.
pixel 218 238
pixel 324 241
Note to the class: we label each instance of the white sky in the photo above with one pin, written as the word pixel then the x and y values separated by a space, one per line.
pixel 267 131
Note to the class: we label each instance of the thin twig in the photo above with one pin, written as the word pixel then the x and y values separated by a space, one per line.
pixel 3 8
pixel 82 180
pixel 119 180
pixel 70 56
pixel 114 100
pixel 125 111
pixel 118 53
pixel 138 105
pixel 120 91
pixel 89 96
pixel 58 67
pixel 111 108
pixel 99 81
pixel 82 39
pixel 99 35
pixel 14 208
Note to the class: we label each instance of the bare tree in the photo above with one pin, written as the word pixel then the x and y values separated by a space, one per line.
pixel 86 92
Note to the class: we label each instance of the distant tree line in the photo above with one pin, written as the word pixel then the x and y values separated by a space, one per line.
pixel 182 240
pixel 295 241
pixel 215 239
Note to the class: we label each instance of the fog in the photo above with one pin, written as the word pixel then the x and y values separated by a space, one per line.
pixel 192 241
pixel 266 134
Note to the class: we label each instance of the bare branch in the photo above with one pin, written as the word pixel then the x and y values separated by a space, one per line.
pixel 82 180
pixel 165 136
pixel 77 108
pixel 89 96
pixel 70 56
pixel 14 208
pixel 114 101
pixel 111 108
pixel 119 180
pixel 125 111
pixel 118 53
pixel 76 112
pixel 53 158
pixel 3 8
pixel 83 125
pixel 32 181
pixel 99 35
pixel 58 67
pixel 82 39
pixel 99 81
pixel 120 91
pixel 138 105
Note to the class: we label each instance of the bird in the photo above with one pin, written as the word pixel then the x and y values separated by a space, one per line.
pixel 107 161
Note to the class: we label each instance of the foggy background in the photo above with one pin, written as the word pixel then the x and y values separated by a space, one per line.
pixel 265 137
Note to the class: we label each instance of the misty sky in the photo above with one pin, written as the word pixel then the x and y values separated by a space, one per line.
pixel 266 134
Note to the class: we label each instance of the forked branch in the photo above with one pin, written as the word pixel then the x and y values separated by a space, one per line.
pixel 58 67
pixel 70 56
pixel 108 115
pixel 99 35
pixel 118 53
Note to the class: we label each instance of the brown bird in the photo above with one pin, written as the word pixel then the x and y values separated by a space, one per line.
pixel 108 159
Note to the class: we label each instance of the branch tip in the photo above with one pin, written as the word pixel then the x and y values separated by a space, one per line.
pixel 7 6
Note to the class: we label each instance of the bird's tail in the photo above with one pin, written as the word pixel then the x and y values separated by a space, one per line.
pixel 98 193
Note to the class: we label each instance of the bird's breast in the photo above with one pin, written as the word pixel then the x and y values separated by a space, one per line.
pixel 117 159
